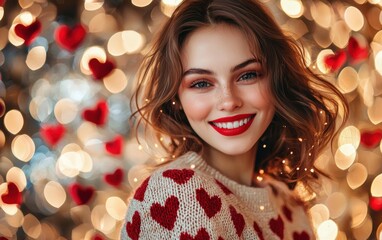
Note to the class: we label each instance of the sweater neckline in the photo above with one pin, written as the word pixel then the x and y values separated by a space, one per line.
pixel 255 198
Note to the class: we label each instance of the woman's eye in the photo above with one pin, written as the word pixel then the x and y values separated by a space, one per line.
pixel 200 84
pixel 249 76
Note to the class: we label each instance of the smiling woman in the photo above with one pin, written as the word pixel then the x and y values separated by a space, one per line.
pixel 244 116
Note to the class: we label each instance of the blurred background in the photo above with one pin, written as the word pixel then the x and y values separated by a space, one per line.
pixel 68 157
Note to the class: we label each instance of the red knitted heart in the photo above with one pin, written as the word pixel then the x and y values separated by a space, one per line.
pixel 28 33
pixel 2 2
pixel 258 231
pixel 180 176
pixel 52 134
pixel 335 61
pixel 70 38
pixel 287 213
pixel 223 187
pixel 133 228
pixel 97 115
pixel 357 52
pixel 371 139
pixel 238 220
pixel 277 226
pixel 140 192
pixel 210 205
pixel 201 235
pixel 375 203
pixel 97 237
pixel 13 195
pixel 166 216
pixel 115 146
pixel 115 178
pixel 100 69
pixel 80 194
pixel 301 236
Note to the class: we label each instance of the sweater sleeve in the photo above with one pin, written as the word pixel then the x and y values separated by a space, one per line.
pixel 175 204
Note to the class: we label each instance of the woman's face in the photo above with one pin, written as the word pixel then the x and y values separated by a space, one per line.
pixel 224 89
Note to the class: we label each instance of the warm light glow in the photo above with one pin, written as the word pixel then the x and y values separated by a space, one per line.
pixel 348 80
pixel 23 147
pixel 65 110
pixel 319 214
pixel 101 220
pixel 40 108
pixel 13 121
pixel 321 13
pixel 378 62
pixel 320 60
pixel 345 156
pixel 92 5
pixel 374 112
pixel 168 6
pixel 292 8
pixel 141 3
pixel 1 13
pixel 339 34
pixel 132 41
pixel 327 230
pixel 350 135
pixel 116 81
pixel 358 212
pixel 36 58
pixel 337 204
pixel 116 208
pixel 357 175
pixel 92 52
pixel 72 163
pixel 115 45
pixel 17 176
pixel 2 139
pixel 26 18
pixel 102 23
pixel 32 226
pixel 354 18
pixel 54 194
pixel 376 186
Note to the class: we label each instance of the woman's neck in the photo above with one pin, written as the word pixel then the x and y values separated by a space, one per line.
pixel 239 168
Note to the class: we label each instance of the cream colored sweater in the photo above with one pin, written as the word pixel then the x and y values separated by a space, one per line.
pixel 188 199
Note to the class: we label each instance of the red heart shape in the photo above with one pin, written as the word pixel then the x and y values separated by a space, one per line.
pixel 52 134
pixel 140 192
pixel 223 187
pixel 70 38
pixel 28 33
pixel 277 226
pixel 210 205
pixel 81 194
pixel 201 235
pixel 2 2
pixel 287 213
pixel 98 114
pixel 133 228
pixel 2 107
pixel 100 69
pixel 301 236
pixel 115 178
pixel 335 61
pixel 357 52
pixel 115 146
pixel 166 215
pixel 97 237
pixel 371 139
pixel 258 231
pixel 375 203
pixel 13 195
pixel 238 220
pixel 180 176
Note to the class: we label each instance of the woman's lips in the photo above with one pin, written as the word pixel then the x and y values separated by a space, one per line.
pixel 233 125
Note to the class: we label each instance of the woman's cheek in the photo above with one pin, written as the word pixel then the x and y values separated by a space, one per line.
pixel 196 108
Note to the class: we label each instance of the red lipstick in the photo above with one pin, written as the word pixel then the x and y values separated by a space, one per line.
pixel 230 126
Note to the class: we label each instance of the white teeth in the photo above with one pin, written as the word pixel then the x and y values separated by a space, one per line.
pixel 234 124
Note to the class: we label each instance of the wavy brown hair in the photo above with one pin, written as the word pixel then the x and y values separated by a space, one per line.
pixel 307 105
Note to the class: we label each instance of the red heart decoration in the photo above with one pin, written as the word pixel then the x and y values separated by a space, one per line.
pixel 98 114
pixel 28 33
pixel 52 134
pixel 357 52
pixel 2 2
pixel 2 107
pixel 13 195
pixel 210 205
pixel 115 178
pixel 375 203
pixel 180 176
pixel 166 215
pixel 287 213
pixel 301 236
pixel 100 69
pixel 3 238
pixel 81 194
pixel 97 237
pixel 238 220
pixel 277 226
pixel 133 228
pixel 258 231
pixel 335 61
pixel 223 187
pixel 371 139
pixel 70 38
pixel 201 235
pixel 115 146
pixel 140 192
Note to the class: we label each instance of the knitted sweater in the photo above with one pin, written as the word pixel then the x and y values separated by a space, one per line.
pixel 188 199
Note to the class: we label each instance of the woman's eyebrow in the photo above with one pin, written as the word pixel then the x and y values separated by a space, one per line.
pixel 209 72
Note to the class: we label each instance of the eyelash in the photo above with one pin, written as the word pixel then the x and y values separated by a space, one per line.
pixel 197 83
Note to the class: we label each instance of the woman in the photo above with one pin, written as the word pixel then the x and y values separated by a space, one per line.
pixel 245 119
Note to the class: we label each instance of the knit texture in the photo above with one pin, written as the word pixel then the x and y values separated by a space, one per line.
pixel 188 199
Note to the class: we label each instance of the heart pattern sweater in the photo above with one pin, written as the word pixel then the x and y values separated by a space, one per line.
pixel 188 199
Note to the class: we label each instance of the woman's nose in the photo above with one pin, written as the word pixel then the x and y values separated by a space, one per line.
pixel 229 99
